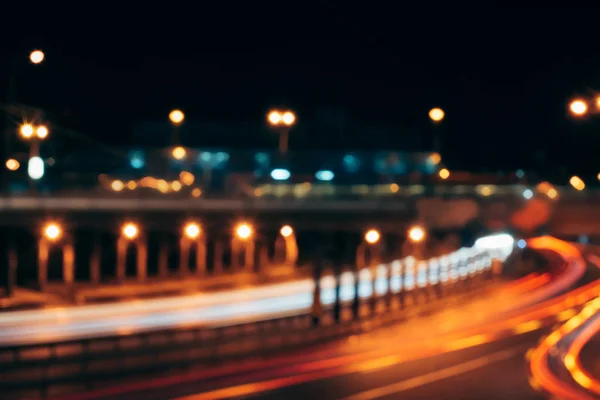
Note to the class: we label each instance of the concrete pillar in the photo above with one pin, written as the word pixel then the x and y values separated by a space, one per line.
pixel 201 256
pixel 95 260
pixel 236 248
pixel 43 254
pixel 291 250
pixel 184 256
pixel 263 257
pixel 163 259
pixel 249 255
pixel 122 246
pixel 11 283
pixel 68 263
pixel 280 250
pixel 218 258
pixel 142 260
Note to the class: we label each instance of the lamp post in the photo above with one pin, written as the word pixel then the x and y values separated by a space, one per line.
pixel 52 235
pixel 36 57
pixel 242 241
pixel 130 234
pixel 367 255
pixel 177 117
pixel 192 235
pixel 34 134
pixel 436 115
pixel 287 244
pixel 282 122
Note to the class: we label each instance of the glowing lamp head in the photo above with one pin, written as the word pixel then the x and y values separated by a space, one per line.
pixel 372 236
pixel 130 231
pixel 243 231
pixel 286 231
pixel 36 56
pixel 578 107
pixel 274 118
pixel 52 232
pixel 179 153
pixel 288 118
pixel 416 234
pixel 41 132
pixel 192 231
pixel 26 131
pixel 176 117
pixel 436 114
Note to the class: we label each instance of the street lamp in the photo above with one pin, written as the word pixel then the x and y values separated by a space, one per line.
pixel 416 234
pixel 243 231
pixel 286 231
pixel 444 173
pixel 578 107
pixel 372 236
pixel 437 116
pixel 37 56
pixel 192 230
pixel 282 121
pixel 52 232
pixel 176 117
pixel 130 231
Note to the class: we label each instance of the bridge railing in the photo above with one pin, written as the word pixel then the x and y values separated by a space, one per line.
pixel 75 365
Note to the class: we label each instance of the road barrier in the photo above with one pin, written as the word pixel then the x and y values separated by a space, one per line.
pixel 49 369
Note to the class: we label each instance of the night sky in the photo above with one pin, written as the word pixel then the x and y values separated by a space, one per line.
pixel 360 75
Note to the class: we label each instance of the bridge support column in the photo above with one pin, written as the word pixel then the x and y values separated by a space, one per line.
pixel 43 255
pixel 142 261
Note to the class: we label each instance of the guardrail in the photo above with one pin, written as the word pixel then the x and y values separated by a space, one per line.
pixel 63 367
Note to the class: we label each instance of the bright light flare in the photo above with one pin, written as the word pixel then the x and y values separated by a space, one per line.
pixel 130 231
pixel 436 114
pixel 41 132
pixel 372 236
pixel 26 131
pixel 444 173
pixel 37 56
pixel 274 118
pixel 416 234
pixel 577 183
pixel 288 118
pixel 176 117
pixel 52 231
pixel 578 107
pixel 286 231
pixel 192 230
pixel 243 231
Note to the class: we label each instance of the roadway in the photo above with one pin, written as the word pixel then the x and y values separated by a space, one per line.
pixel 479 350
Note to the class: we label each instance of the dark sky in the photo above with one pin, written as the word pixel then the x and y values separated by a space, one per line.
pixel 359 74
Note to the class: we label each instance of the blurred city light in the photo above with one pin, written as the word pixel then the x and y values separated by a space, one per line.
pixel 130 230
pixel 243 231
pixel 196 192
pixel 187 178
pixel 179 153
pixel 325 175
pixel 372 236
pixel 192 230
pixel 117 185
pixel 416 234
pixel 578 107
pixel 444 173
pixel 12 164
pixel 52 231
pixel 286 231
pixel 436 114
pixel 280 174
pixel 137 160
pixel 528 194
pixel 35 168
pixel 36 56
pixel 577 183
pixel 176 117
